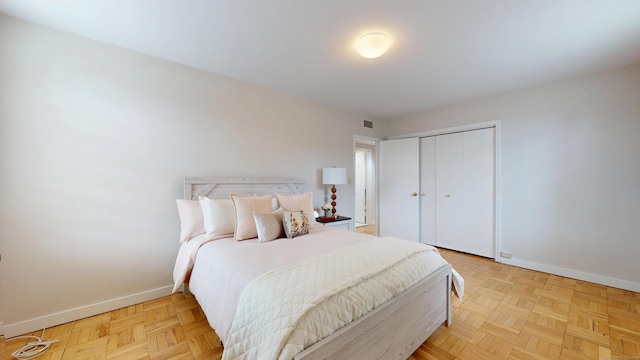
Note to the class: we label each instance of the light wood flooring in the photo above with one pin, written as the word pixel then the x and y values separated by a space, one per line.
pixel 508 313
pixel 366 229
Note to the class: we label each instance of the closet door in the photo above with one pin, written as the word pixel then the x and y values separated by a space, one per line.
pixel 478 166
pixel 399 212
pixel 465 191
pixel 450 231
pixel 428 190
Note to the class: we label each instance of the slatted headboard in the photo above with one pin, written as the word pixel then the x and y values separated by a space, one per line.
pixel 220 188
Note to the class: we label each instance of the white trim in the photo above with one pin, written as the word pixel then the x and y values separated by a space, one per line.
pixel 574 274
pixel 454 129
pixel 357 137
pixel 498 194
pixel 49 320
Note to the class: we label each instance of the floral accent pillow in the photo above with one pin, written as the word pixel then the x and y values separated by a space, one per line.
pixel 295 223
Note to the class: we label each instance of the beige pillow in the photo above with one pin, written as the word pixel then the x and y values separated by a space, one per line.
pixel 244 206
pixel 298 202
pixel 219 218
pixel 191 220
pixel 295 223
pixel 269 225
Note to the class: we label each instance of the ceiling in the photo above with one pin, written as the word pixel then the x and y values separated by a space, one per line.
pixel 442 52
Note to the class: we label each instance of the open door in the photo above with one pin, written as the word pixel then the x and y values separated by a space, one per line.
pixel 399 185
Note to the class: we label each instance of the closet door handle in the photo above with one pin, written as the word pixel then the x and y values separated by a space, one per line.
pixel 447 196
pixel 414 194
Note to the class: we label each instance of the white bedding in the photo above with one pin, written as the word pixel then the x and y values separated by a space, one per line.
pixel 223 268
pixel 227 266
pixel 292 307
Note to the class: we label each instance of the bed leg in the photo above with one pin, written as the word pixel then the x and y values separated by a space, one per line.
pixel 449 299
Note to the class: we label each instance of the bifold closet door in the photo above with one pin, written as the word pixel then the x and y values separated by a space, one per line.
pixel 465 186
pixel 449 192
pixel 478 166
pixel 428 190
pixel 399 184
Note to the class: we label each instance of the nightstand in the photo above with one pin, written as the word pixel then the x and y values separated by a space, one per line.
pixel 342 222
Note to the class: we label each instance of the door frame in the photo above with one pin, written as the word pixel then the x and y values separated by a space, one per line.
pixel 372 181
pixel 497 125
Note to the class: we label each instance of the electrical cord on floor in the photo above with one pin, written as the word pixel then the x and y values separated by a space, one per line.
pixel 32 349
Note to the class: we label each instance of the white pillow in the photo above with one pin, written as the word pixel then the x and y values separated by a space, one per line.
pixel 191 221
pixel 219 219
pixel 298 202
pixel 269 225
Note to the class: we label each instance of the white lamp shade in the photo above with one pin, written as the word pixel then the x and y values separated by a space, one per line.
pixel 334 176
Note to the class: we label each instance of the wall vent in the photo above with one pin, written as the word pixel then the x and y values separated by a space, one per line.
pixel 368 124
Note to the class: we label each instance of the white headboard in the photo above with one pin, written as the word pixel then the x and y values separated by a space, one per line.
pixel 220 188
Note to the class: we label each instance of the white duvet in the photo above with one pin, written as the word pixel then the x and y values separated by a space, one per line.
pixel 218 270
pixel 234 283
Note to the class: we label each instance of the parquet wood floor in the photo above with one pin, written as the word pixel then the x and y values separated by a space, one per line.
pixel 366 229
pixel 508 313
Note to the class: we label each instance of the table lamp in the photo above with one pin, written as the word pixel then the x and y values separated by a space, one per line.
pixel 334 176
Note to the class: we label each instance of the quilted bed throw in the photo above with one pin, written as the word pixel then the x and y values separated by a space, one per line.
pixel 290 308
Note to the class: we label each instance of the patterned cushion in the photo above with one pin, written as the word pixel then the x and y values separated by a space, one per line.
pixel 295 223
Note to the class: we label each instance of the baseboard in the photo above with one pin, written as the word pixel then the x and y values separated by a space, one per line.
pixel 574 274
pixel 41 322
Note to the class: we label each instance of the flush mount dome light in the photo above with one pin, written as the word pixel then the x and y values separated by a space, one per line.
pixel 373 45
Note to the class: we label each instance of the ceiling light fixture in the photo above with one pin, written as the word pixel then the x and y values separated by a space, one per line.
pixel 373 45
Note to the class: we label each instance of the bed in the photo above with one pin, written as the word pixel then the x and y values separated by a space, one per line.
pixel 233 280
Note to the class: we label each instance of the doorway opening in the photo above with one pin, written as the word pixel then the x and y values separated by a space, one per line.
pixel 365 150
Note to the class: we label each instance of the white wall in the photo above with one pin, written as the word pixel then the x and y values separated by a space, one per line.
pixel 94 143
pixel 570 174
